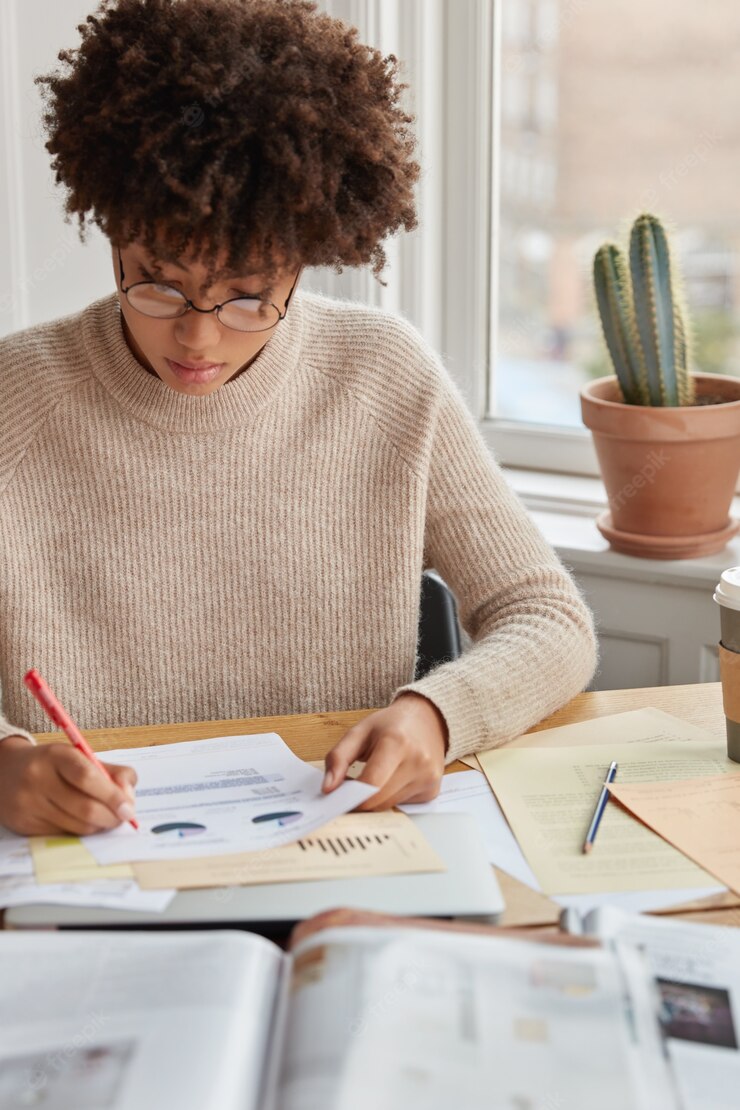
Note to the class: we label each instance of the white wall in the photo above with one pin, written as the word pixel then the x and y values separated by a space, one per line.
pixel 45 271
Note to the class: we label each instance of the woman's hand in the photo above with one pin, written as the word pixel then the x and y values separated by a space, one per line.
pixel 404 746
pixel 52 788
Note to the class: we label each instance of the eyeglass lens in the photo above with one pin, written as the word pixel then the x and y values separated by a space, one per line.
pixel 166 302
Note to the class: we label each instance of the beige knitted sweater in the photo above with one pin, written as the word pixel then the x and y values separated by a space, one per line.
pixel 258 551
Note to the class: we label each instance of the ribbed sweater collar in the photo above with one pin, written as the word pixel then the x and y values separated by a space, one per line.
pixel 153 402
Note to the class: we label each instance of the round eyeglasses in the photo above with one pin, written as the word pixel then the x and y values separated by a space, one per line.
pixel 165 302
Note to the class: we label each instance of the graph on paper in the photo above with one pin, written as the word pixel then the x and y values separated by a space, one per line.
pixel 356 845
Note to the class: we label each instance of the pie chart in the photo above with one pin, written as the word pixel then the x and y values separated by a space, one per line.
pixel 283 817
pixel 179 829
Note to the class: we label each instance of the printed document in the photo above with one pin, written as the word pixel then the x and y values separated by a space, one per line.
pixel 14 857
pixel 356 1018
pixel 222 795
pixel 130 1021
pixel 19 886
pixel 355 845
pixel 469 792
pixel 108 894
pixel 65 859
pixel 549 794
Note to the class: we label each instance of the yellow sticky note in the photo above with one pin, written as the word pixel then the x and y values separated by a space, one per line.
pixel 65 859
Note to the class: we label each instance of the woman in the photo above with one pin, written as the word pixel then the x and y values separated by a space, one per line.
pixel 218 491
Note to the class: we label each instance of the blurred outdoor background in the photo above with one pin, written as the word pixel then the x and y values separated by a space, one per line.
pixel 607 110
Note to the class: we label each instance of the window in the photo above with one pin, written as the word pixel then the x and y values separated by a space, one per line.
pixel 605 108
pixel 544 127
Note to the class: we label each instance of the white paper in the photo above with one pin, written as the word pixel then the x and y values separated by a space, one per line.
pixel 15 854
pixel 635 901
pixel 218 796
pixel 469 792
pixel 113 894
pixel 18 886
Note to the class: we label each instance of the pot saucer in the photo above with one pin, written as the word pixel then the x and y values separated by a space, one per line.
pixel 665 547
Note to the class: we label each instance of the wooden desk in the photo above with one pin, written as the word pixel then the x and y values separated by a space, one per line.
pixel 311 735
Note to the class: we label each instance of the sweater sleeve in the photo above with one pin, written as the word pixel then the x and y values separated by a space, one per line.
pixel 9 729
pixel 35 373
pixel 6 729
pixel 534 643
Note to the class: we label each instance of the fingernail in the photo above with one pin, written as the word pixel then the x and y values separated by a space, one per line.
pixel 125 811
pixel 328 779
pixel 129 791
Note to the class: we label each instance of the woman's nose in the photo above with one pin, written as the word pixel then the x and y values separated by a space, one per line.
pixel 198 331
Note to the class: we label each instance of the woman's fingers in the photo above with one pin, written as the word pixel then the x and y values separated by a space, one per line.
pixel 410 794
pixel 387 769
pixel 125 777
pixel 383 753
pixel 77 771
pixel 79 813
pixel 342 756
pixel 52 788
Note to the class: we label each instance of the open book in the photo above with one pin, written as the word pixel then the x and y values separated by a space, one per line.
pixel 696 969
pixel 359 1014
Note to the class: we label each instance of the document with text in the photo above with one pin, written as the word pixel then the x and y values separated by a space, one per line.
pixel 226 794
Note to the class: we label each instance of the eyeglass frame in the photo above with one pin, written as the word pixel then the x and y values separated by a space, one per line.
pixel 189 304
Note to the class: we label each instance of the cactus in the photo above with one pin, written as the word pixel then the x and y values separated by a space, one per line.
pixel 643 317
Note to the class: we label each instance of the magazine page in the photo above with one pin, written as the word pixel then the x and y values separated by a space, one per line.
pixel 400 1018
pixel 697 972
pixel 127 1021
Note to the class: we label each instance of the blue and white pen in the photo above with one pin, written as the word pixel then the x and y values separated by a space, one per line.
pixel 599 811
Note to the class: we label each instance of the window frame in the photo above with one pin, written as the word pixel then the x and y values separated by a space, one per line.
pixel 448 51
pixel 549 448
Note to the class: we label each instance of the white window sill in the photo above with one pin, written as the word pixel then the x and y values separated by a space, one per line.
pixel 565 506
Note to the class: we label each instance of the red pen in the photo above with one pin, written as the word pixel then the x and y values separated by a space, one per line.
pixel 60 717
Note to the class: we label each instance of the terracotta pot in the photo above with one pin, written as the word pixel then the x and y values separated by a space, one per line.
pixel 670 473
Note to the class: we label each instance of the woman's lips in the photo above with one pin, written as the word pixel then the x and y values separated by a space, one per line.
pixel 194 377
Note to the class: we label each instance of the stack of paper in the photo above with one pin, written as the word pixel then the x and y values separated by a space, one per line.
pixel 224 811
pixel 19 885
pixel 548 783
pixel 218 796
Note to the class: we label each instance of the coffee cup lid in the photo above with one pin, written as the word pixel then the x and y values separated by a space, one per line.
pixel 728 588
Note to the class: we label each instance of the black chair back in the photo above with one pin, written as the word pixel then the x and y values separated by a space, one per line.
pixel 439 631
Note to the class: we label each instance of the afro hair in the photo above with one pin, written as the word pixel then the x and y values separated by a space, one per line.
pixel 258 127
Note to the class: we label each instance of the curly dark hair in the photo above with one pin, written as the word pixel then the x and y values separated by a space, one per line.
pixel 262 127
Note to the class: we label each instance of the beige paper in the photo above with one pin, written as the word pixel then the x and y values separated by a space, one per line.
pixel 549 794
pixel 65 859
pixel 635 726
pixel 356 845
pixel 701 817
pixel 471 761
